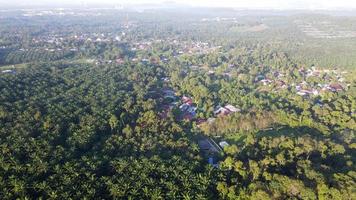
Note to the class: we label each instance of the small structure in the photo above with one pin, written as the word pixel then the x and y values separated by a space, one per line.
pixel 223 144
pixel 336 87
pixel 232 108
pixel 120 61
pixel 184 107
pixel 206 146
pixel 301 93
pixel 226 110
pixel 9 71
pixel 187 108
pixel 187 100
pixel 266 81
pixel 222 111
pixel 305 92
pixel 211 72
pixel 165 79
pixel 145 60
pixel 259 78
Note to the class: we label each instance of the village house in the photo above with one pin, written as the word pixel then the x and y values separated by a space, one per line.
pixel 223 144
pixel 120 61
pixel 145 60
pixel 165 79
pixel 187 100
pixel 304 92
pixel 8 71
pixel 223 111
pixel 278 74
pixel 184 107
pixel 335 87
pixel 211 72
pixel 232 108
pixel 207 147
pixel 259 78
pixel 227 74
pixel 187 108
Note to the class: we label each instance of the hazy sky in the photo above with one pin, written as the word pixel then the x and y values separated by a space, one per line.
pixel 276 4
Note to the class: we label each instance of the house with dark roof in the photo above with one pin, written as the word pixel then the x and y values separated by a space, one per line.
pixel 206 146
pixel 335 87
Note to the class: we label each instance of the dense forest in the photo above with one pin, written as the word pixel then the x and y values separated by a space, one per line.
pixel 119 106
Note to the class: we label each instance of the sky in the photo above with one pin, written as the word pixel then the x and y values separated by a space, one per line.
pixel 251 4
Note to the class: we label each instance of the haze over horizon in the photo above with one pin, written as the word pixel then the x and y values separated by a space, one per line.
pixel 252 4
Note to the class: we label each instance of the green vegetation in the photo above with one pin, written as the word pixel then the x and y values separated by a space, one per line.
pixel 116 106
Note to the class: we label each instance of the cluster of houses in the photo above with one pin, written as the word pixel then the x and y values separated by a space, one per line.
pixel 220 19
pixel 208 146
pixel 185 104
pixel 143 45
pixel 180 47
pixel 61 40
pixel 333 77
pixel 195 47
pixel 332 87
pixel 277 80
pixel 332 81
pixel 59 12
pixel 58 42
pixel 188 109
pixel 136 60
